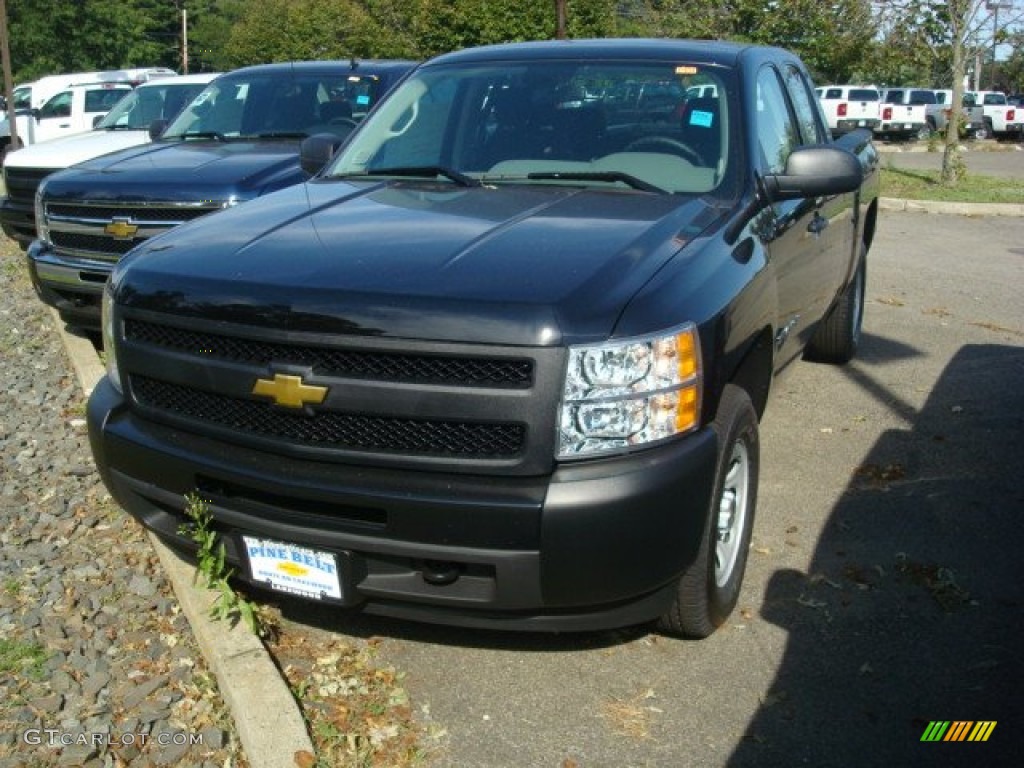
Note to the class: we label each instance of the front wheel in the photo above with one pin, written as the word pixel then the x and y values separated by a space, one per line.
pixel 709 588
pixel 838 335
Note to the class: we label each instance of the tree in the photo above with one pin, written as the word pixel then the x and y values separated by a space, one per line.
pixel 956 30
pixel 829 37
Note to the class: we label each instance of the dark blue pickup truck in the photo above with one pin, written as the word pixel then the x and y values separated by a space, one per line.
pixel 502 362
pixel 237 140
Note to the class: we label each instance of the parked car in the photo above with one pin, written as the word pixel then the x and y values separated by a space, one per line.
pixel 237 140
pixel 1002 119
pixel 849 107
pixel 33 100
pixel 501 363
pixel 904 113
pixel 126 125
pixel 938 115
pixel 74 110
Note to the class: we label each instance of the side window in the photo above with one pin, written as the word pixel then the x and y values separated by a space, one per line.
pixel 776 132
pixel 58 106
pixel 807 109
pixel 834 93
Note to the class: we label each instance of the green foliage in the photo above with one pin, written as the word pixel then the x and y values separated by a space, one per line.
pixel 898 42
pixel 107 34
pixel 212 571
pixel 22 658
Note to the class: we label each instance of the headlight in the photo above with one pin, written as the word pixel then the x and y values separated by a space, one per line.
pixel 42 229
pixel 109 347
pixel 629 393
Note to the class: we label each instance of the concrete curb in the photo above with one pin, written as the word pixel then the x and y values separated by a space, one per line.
pixel 955 209
pixel 270 725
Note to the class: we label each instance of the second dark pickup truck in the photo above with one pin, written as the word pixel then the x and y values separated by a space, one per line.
pixel 502 362
pixel 237 140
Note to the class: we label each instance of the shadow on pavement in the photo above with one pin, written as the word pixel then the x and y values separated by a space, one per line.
pixel 912 609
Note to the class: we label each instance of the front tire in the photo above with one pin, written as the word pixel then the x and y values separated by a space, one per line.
pixel 709 588
pixel 838 335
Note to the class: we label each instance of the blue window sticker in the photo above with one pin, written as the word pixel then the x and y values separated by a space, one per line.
pixel 701 118
pixel 362 100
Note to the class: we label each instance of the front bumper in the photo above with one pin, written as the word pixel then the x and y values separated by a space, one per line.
pixel 591 546
pixel 72 286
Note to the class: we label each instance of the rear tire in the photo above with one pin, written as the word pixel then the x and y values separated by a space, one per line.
pixel 838 335
pixel 709 588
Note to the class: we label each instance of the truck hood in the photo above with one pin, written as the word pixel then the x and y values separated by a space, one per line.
pixel 69 150
pixel 175 170
pixel 529 264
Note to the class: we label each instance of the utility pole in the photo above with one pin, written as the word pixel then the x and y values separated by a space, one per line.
pixel 560 15
pixel 184 41
pixel 5 54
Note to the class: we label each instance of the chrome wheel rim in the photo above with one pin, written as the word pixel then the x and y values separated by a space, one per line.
pixel 732 513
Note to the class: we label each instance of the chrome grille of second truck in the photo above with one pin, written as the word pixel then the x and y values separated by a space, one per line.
pixel 107 231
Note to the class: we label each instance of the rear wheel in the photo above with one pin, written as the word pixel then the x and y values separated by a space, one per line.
pixel 708 590
pixel 838 335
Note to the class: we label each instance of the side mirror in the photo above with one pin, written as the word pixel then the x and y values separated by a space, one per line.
pixel 157 128
pixel 816 172
pixel 316 151
pixel 97 120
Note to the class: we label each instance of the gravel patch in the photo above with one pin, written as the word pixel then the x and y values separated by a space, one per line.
pixel 98 666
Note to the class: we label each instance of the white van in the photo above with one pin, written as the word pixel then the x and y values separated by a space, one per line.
pixel 35 94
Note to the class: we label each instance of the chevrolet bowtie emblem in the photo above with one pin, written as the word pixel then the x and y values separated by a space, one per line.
pixel 121 229
pixel 289 391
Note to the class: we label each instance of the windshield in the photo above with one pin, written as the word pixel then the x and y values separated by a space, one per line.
pixel 277 104
pixel 648 126
pixel 147 103
pixel 23 97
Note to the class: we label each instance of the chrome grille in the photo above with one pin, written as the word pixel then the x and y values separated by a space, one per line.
pixel 78 228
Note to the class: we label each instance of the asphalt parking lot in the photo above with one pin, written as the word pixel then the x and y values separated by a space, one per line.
pixel 884 590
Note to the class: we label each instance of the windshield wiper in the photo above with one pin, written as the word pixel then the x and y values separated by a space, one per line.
pixel 427 172
pixel 276 135
pixel 199 135
pixel 625 178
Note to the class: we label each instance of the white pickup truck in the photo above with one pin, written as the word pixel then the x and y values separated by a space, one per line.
pixel 73 110
pixel 1002 119
pixel 905 113
pixel 849 107
pixel 939 113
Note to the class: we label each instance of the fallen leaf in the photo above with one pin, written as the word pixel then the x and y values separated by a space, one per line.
pixel 305 759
